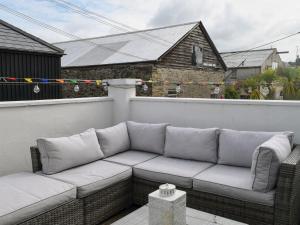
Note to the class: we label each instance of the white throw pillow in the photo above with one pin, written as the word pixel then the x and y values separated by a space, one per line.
pixel 58 154
pixel 114 139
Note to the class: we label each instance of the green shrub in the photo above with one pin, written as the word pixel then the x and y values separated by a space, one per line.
pixel 255 94
pixel 231 93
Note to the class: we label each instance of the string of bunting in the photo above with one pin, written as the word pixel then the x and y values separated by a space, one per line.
pixel 28 80
pixel 103 83
pixel 37 81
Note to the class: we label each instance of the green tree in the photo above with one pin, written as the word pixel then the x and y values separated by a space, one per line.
pixel 268 76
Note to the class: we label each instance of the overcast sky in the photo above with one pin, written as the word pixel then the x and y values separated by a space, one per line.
pixel 232 24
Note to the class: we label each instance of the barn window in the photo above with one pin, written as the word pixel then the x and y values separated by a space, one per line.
pixel 197 56
pixel 274 65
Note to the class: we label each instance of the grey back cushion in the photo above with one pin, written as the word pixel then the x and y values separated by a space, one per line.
pixel 114 139
pixel 266 162
pixel 192 143
pixel 147 137
pixel 58 154
pixel 236 147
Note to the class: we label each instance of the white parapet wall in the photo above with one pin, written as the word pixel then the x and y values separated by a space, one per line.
pixel 21 123
pixel 234 114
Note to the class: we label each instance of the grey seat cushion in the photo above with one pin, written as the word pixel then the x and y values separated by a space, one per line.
pixel 233 182
pixel 58 154
pixel 170 170
pixel 236 147
pixel 131 158
pixel 93 177
pixel 114 139
pixel 147 137
pixel 192 143
pixel 266 162
pixel 26 195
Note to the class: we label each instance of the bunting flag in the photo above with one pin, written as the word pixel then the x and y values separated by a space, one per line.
pixel 87 81
pixel 28 80
pixel 73 81
pixel 11 78
pixel 44 81
pixel 98 82
pixel 61 81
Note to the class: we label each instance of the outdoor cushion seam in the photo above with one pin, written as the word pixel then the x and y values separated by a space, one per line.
pixel 220 184
pixel 183 186
pixel 228 195
pixel 269 171
pixel 204 170
pixel 255 169
pixel 39 202
pixel 133 164
pixel 163 173
pixel 147 160
pixel 105 178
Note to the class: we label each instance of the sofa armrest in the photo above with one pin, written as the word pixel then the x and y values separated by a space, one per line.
pixel 287 197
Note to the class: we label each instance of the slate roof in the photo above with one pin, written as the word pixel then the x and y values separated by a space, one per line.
pixel 254 58
pixel 138 46
pixel 13 38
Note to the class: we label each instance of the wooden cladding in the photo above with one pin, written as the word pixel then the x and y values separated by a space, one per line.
pixel 182 55
pixel 22 65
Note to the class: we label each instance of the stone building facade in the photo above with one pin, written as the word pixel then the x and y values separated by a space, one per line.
pixel 190 61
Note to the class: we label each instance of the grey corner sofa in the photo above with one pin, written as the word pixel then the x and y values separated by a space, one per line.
pixel 223 172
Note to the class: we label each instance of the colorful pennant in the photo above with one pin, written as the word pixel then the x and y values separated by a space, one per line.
pixel 61 81
pixel 87 81
pixel 44 81
pixel 11 78
pixel 73 81
pixel 28 80
pixel 98 82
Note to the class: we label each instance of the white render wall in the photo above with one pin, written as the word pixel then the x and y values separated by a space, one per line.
pixel 234 114
pixel 21 123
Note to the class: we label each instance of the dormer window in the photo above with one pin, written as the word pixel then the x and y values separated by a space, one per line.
pixel 197 55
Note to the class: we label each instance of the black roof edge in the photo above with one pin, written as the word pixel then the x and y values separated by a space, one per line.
pixel 58 50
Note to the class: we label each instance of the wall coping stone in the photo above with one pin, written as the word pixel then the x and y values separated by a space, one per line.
pixel 218 101
pixel 53 102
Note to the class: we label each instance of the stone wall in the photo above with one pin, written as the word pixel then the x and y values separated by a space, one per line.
pixel 169 77
pixel 144 72
pixel 140 71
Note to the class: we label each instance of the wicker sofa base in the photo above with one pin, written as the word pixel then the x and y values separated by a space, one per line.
pixel 249 213
pixel 105 203
pixel 70 213
pixel 109 201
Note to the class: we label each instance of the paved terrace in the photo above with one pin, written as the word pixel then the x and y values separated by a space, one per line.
pixel 23 122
